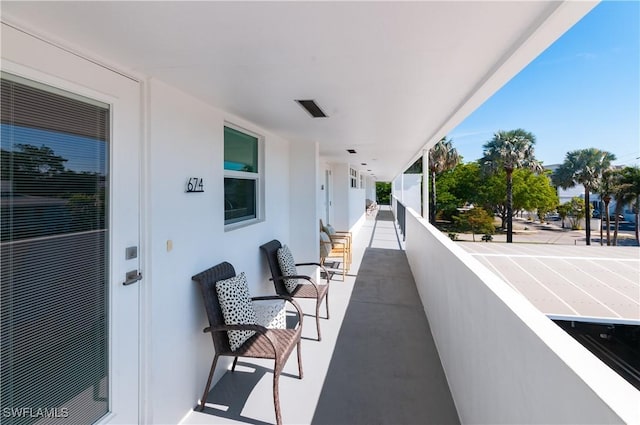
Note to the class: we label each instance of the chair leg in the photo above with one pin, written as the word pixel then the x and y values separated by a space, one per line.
pixel 326 302
pixel 318 317
pixel 233 366
pixel 203 399
pixel 299 358
pixel 276 395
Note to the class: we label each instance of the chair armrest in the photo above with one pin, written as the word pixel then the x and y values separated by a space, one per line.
pixel 338 244
pixel 309 264
pixel 318 265
pixel 299 276
pixel 339 240
pixel 343 232
pixel 293 276
pixel 224 328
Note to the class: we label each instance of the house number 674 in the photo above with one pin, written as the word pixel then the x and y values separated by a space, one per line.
pixel 194 184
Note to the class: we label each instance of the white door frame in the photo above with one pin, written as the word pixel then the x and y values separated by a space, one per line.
pixel 328 182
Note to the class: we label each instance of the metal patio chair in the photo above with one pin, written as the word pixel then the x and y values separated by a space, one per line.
pixel 276 344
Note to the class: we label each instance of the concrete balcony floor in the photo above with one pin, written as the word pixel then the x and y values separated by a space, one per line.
pixel 376 364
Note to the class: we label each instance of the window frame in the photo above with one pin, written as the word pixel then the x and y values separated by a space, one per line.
pixel 257 177
pixel 353 178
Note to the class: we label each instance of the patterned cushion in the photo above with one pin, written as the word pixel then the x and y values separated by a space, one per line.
pixel 271 314
pixel 288 267
pixel 325 245
pixel 329 230
pixel 236 306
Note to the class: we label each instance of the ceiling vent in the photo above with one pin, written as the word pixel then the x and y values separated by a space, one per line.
pixel 312 108
pixel 351 150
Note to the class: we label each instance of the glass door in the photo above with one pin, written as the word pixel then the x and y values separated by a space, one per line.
pixel 53 255
pixel 69 325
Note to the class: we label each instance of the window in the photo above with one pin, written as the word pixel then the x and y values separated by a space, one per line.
pixel 353 174
pixel 361 181
pixel 242 176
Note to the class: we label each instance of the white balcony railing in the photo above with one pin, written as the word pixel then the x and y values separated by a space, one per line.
pixel 505 361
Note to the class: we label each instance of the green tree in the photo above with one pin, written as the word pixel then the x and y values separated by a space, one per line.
pixel 507 151
pixel 563 212
pixel 383 193
pixel 585 167
pixel 492 195
pixel 531 192
pixel 477 220
pixel 544 197
pixel 576 211
pixel 442 157
pixel 458 187
pixel 627 191
pixel 606 189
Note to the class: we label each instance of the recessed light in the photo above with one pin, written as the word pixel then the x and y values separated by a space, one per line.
pixel 363 163
pixel 351 150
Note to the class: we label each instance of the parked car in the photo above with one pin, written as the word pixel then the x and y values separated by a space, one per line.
pixel 613 217
pixel 553 217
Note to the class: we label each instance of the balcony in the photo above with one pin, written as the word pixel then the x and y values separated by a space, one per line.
pixel 376 363
pixel 489 358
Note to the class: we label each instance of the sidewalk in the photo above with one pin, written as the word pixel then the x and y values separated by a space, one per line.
pixel 541 233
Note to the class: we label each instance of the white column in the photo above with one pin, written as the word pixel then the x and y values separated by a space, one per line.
pixel 303 209
pixel 425 184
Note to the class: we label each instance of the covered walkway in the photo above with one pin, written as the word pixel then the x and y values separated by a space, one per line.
pixel 377 362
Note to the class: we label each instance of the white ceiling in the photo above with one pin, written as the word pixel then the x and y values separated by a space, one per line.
pixel 391 76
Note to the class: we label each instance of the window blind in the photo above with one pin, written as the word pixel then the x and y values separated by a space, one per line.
pixel 53 255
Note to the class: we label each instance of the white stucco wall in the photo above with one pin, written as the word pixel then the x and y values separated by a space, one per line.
pixel 357 210
pixel 348 203
pixel 186 140
pixel 506 362
pixel 340 174
pixel 370 192
pixel 325 192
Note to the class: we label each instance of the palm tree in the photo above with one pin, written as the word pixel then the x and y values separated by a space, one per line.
pixel 509 150
pixel 442 157
pixel 585 167
pixel 605 189
pixel 627 191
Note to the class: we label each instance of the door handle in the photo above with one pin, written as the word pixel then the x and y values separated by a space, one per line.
pixel 132 277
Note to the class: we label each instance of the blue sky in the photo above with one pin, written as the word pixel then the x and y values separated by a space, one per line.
pixel 582 92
